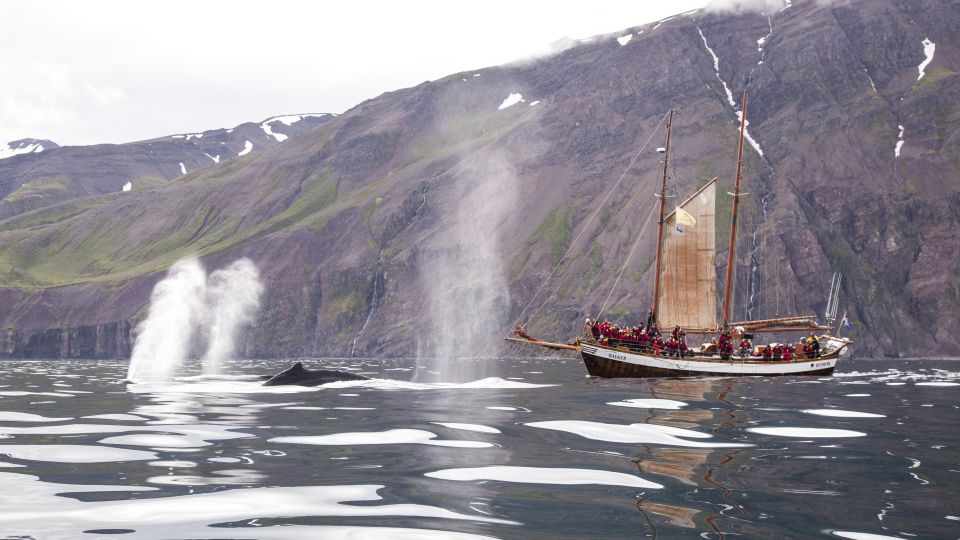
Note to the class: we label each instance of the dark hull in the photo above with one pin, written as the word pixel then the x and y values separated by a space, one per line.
pixel 604 367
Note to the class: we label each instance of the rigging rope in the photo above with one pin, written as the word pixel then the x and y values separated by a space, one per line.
pixel 586 225
pixel 626 261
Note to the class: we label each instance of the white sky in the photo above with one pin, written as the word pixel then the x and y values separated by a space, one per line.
pixel 94 71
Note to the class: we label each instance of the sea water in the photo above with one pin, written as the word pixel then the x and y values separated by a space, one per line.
pixel 531 449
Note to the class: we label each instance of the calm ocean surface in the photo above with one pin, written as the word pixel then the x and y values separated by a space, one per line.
pixel 531 449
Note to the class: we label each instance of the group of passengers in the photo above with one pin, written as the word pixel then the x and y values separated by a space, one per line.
pixel 805 348
pixel 639 338
pixel 648 339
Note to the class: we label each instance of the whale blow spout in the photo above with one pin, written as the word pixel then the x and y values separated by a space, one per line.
pixel 300 376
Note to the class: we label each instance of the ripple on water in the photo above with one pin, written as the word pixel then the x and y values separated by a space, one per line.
pixel 490 383
pixel 392 436
pixel 117 417
pixel 234 477
pixel 196 432
pixel 543 475
pixel 224 460
pixel 649 403
pixel 73 453
pixel 341 532
pixel 801 432
pixel 468 427
pixel 20 393
pixel 865 536
pixel 634 433
pixel 156 441
pixel 33 507
pixel 843 414
pixel 173 464
pixel 12 416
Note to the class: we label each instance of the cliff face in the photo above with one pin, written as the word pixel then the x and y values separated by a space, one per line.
pixel 467 191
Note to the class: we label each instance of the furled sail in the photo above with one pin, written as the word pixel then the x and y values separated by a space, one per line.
pixel 688 295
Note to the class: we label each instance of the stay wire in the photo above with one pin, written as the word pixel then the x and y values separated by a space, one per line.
pixel 586 225
pixel 646 222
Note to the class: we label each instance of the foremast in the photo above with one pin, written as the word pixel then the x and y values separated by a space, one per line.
pixel 663 204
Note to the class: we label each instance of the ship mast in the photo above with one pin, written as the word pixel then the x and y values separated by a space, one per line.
pixel 733 221
pixel 663 202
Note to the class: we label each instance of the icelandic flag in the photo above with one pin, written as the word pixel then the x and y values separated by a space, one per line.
pixel 845 322
pixel 684 218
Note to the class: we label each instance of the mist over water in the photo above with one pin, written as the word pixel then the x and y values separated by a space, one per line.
pixel 466 283
pixel 187 307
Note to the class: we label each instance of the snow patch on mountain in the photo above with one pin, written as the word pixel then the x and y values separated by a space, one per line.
pixel 216 159
pixel 716 69
pixel 280 137
pixel 763 41
pixel 23 147
pixel 183 169
pixel 746 134
pixel 247 147
pixel 661 22
pixel 532 103
pixel 511 100
pixel 900 141
pixel 128 186
pixel 623 40
pixel 929 48
pixel 872 85
pixel 288 120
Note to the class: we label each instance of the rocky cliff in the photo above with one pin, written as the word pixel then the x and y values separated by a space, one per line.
pixel 425 220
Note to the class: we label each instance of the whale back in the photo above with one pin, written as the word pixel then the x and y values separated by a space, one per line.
pixel 301 376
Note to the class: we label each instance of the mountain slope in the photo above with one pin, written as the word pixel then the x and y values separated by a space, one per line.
pixel 30 179
pixel 399 226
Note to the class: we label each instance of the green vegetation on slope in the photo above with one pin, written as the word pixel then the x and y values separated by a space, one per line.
pixel 61 254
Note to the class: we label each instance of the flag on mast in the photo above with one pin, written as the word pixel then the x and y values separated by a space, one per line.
pixel 845 322
pixel 684 218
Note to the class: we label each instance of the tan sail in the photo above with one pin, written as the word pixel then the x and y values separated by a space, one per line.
pixel 688 297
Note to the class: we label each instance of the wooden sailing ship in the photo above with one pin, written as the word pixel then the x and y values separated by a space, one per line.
pixel 685 295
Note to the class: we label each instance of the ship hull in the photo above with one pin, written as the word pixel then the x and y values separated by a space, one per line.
pixel 611 362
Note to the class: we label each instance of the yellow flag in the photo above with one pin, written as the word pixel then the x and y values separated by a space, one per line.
pixel 684 218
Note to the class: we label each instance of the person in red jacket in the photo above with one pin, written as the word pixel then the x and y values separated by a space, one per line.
pixel 787 353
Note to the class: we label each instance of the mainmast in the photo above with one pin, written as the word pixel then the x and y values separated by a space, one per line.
pixel 733 221
pixel 663 203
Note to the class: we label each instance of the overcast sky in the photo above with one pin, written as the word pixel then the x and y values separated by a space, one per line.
pixel 94 71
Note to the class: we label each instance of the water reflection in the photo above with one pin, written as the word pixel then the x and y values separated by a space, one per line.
pixel 700 468
pixel 543 452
